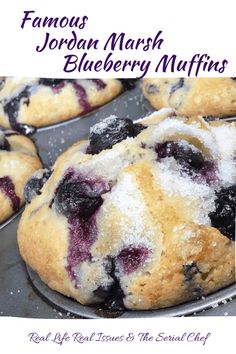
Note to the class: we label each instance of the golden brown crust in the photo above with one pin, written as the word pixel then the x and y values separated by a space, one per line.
pixel 195 96
pixel 47 251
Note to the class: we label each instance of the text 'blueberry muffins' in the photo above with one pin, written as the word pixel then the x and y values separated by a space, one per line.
pixel 27 103
pixel 193 96
pixel 142 215
pixel 18 161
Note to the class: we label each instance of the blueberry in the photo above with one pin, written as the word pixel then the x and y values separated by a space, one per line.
pixel 82 96
pixel 80 91
pixel 128 84
pixel 4 144
pixel 138 127
pixel 110 131
pixel 210 118
pixel 2 83
pixel 100 85
pixel 113 295
pixel 8 188
pixel 152 89
pixel 12 107
pixel 35 184
pixel 179 84
pixel 131 258
pixel 25 129
pixel 102 292
pixel 113 307
pixel 223 218
pixel 190 270
pixel 77 198
pixel 50 82
pixel 190 159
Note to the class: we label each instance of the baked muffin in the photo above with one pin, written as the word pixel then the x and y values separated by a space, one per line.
pixel 140 215
pixel 18 161
pixel 26 103
pixel 193 96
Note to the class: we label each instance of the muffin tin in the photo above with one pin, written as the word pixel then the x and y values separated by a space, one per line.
pixel 22 293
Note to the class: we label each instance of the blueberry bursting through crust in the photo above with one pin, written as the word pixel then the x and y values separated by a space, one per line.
pixel 2 83
pixel 77 199
pixel 50 82
pixel 4 144
pixel 11 108
pixel 223 218
pixel 110 132
pixel 128 84
pixel 8 188
pixel 190 160
pixel 35 184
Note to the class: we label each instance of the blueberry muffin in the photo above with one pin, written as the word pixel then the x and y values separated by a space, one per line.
pixel 193 96
pixel 142 215
pixel 27 103
pixel 18 160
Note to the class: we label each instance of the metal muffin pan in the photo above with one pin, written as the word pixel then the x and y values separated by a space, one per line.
pixel 71 306
pixel 22 293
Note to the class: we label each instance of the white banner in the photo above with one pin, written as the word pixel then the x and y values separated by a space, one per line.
pixel 117 39
pixel 159 335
